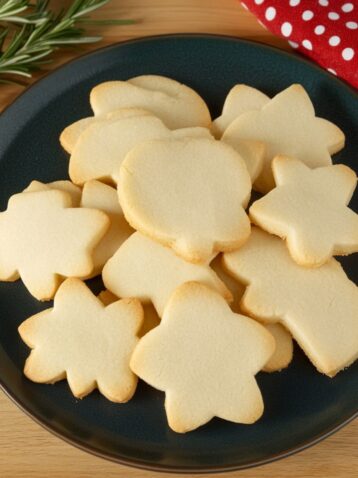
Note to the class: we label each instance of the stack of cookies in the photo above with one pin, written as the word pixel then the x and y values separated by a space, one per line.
pixel 202 291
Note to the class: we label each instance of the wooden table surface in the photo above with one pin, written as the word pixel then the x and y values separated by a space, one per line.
pixel 27 450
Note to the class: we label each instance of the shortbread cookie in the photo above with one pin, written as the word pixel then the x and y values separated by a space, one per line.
pixel 63 185
pixel 107 297
pixel 288 126
pixel 204 357
pixel 177 105
pixel 283 354
pixel 43 239
pixel 252 152
pixel 319 306
pixel 81 340
pixel 71 133
pixel 144 269
pixel 236 288
pixel 189 195
pixel 309 209
pixel 150 320
pixel 241 98
pixel 97 195
pixel 103 145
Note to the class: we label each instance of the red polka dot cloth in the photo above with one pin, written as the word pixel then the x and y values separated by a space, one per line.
pixel 324 30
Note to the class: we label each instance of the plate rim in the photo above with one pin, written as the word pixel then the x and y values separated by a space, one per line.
pixel 135 463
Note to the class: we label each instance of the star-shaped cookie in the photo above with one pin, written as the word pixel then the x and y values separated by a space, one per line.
pixel 144 269
pixel 288 126
pixel 85 342
pixel 319 306
pixel 44 239
pixel 204 357
pixel 309 209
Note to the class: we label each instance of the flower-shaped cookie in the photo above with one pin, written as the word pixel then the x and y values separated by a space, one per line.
pixel 287 125
pixel 44 239
pixel 188 194
pixel 85 342
pixel 204 357
pixel 319 306
pixel 309 209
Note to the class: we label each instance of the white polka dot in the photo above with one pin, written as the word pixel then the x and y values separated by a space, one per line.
pixel 293 44
pixel 348 54
pixel 331 70
pixel 244 5
pixel 333 16
pixel 307 15
pixel 352 25
pixel 307 44
pixel 259 2
pixel 347 7
pixel 294 3
pixel 286 29
pixel 319 29
pixel 334 40
pixel 270 13
pixel 324 3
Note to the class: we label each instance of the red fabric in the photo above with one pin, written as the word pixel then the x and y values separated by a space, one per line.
pixel 324 30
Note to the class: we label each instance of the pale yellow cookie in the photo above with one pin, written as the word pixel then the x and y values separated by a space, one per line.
pixel 204 357
pixel 241 98
pixel 176 104
pixel 150 320
pixel 43 240
pixel 72 132
pixel 252 152
pixel 189 195
pixel 81 340
pixel 319 306
pixel 309 209
pixel 107 297
pixel 234 286
pixel 283 354
pixel 103 145
pixel 287 125
pixel 64 185
pixel 97 195
pixel 144 269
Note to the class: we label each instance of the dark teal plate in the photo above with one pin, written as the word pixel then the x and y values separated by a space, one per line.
pixel 301 405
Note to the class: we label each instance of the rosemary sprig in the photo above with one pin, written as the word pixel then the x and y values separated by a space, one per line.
pixel 30 32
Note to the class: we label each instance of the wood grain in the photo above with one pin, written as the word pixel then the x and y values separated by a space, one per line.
pixel 27 450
